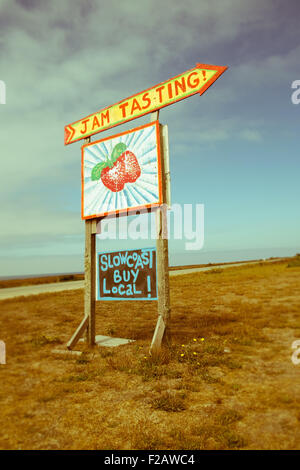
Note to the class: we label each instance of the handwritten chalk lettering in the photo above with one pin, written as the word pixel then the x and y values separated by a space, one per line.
pixel 131 259
pixel 128 274
pixel 121 290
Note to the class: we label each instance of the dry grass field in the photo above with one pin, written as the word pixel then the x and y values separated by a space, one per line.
pixel 226 381
pixel 40 280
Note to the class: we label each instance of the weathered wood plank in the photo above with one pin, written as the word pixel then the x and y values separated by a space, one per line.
pixel 154 116
pixel 162 252
pixel 163 264
pixel 90 275
pixel 66 352
pixel 158 334
pixel 90 281
pixel 78 333
pixel 167 176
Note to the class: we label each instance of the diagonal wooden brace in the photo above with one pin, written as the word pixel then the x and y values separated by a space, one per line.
pixel 78 333
pixel 158 334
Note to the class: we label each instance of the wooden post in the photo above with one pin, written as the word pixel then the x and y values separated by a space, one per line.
pixel 166 162
pixel 90 276
pixel 162 255
pixel 88 322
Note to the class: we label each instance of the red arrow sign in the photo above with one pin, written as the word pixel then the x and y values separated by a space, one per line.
pixel 189 83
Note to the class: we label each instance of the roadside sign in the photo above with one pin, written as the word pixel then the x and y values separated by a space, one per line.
pixel 122 173
pixel 191 82
pixel 127 275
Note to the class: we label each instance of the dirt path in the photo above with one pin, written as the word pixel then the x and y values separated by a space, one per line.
pixel 10 292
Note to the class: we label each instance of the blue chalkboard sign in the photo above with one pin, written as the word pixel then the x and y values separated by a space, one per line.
pixel 127 275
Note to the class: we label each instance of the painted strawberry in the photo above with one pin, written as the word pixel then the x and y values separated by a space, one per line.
pixel 122 167
pixel 132 167
pixel 114 178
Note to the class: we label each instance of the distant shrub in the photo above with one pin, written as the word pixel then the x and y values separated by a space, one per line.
pixel 233 440
pixel 229 416
pixel 42 340
pixel 214 271
pixel 169 402
pixel 69 277
pixel 295 262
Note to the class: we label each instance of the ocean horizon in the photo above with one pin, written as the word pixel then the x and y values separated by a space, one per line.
pixel 17 268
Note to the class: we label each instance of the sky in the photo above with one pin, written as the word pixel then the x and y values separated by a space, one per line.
pixel 235 149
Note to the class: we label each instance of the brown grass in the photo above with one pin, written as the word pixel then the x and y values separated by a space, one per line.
pixel 40 280
pixel 226 381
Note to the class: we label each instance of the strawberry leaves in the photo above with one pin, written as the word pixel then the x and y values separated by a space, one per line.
pixel 117 151
pixel 97 170
pixel 109 162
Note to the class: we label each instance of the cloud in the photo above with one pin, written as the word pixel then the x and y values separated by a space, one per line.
pixel 64 60
pixel 251 135
pixel 28 4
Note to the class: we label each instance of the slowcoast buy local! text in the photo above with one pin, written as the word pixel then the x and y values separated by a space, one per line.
pixel 134 262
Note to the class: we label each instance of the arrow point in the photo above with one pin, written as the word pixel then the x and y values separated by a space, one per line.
pixel 69 133
pixel 217 68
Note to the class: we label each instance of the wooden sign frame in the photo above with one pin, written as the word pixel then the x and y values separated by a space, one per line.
pixel 93 226
pixel 143 268
pixel 128 209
